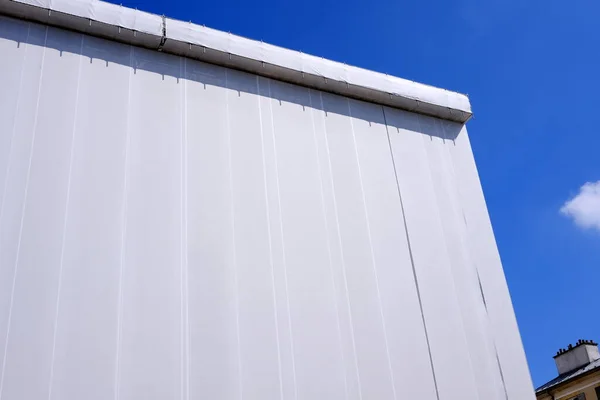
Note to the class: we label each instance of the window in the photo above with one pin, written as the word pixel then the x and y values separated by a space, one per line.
pixel 598 393
pixel 578 397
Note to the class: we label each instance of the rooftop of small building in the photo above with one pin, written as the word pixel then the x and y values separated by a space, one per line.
pixel 570 376
pixel 574 374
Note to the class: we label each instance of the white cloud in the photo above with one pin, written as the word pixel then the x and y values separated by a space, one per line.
pixel 585 207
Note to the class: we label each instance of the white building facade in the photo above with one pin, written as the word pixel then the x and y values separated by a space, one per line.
pixel 186 214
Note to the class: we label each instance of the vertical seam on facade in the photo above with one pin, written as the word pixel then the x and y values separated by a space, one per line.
pixel 6 177
pixel 373 262
pixel 445 245
pixel 285 275
pixel 454 195
pixel 181 81
pixel 501 373
pixel 186 232
pixel 487 327
pixel 442 226
pixel 412 259
pixel 268 215
pixel 23 211
pixel 235 276
pixel 328 241
pixel 64 234
pixel 339 231
pixel 14 128
pixel 124 224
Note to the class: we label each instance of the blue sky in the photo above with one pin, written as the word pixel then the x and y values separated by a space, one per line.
pixel 531 69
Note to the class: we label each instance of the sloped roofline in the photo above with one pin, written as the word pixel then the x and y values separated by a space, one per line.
pixel 569 377
pixel 151 31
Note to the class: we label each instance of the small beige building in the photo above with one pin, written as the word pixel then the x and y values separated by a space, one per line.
pixel 578 374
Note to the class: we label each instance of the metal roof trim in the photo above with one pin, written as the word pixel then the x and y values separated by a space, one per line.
pixel 142 29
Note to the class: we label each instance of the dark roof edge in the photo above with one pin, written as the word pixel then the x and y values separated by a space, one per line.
pixel 571 379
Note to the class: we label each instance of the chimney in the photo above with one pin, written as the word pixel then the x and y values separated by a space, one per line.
pixel 574 357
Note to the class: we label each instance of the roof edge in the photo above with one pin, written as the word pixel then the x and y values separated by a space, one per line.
pixel 569 377
pixel 138 28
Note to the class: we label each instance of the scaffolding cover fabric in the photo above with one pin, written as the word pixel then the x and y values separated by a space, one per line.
pixel 446 104
pixel 228 43
pixel 171 229
pixel 104 12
